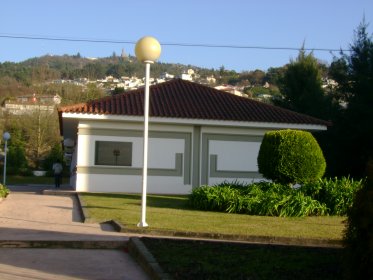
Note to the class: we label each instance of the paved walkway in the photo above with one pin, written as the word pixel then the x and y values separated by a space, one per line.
pixel 27 215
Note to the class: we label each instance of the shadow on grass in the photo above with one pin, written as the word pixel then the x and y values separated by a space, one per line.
pixel 101 207
pixel 114 195
pixel 174 202
pixel 179 202
pixel 185 259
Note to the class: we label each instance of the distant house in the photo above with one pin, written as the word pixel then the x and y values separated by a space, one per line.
pixel 231 89
pixel 211 79
pixel 166 76
pixel 197 135
pixel 186 77
pixel 31 103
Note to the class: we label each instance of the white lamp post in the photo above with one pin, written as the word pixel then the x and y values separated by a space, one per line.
pixel 147 50
pixel 6 137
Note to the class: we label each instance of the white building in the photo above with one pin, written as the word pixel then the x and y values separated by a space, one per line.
pixel 197 135
pixel 231 89
pixel 31 103
pixel 166 76
pixel 186 77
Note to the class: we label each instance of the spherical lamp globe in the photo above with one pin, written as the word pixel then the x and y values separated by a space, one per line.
pixel 6 136
pixel 147 49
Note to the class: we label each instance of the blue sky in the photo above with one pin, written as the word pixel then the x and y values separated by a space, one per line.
pixel 270 23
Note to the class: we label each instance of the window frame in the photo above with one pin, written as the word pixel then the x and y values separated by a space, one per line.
pixel 119 146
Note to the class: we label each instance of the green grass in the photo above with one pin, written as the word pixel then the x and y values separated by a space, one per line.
pixel 173 213
pixel 26 180
pixel 183 259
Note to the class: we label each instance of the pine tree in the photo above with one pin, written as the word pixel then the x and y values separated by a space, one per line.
pixel 301 87
pixel 354 128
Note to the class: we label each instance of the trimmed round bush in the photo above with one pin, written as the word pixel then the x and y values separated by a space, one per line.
pixel 291 156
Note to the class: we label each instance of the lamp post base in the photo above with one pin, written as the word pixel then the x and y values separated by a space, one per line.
pixel 142 224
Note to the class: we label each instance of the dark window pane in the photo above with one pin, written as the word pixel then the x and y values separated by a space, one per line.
pixel 113 153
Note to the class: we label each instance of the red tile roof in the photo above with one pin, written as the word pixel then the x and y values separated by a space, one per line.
pixel 182 99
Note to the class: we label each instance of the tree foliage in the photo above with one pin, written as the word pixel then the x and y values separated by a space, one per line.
pixel 290 156
pixel 301 87
pixel 16 159
pixel 352 132
pixel 33 135
pixel 358 237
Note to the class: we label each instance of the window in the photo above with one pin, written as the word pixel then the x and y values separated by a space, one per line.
pixel 113 153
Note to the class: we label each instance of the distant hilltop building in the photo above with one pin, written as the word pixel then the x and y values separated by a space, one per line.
pixel 31 103
pixel 123 55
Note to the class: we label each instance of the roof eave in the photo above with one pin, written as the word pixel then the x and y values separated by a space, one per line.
pixel 206 122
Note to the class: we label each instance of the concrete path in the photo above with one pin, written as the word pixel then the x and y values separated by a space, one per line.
pixel 27 215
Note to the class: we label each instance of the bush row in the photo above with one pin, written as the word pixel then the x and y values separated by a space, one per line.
pixel 323 197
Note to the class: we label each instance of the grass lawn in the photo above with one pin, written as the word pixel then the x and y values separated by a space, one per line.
pixel 216 260
pixel 186 259
pixel 173 213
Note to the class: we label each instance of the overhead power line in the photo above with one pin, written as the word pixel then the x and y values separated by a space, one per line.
pixel 199 45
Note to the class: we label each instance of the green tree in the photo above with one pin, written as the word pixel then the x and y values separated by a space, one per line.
pixel 93 71
pixel 35 133
pixel 118 90
pixel 16 160
pixel 93 92
pixel 358 237
pixel 41 132
pixel 353 129
pixel 274 75
pixel 301 87
pixel 116 70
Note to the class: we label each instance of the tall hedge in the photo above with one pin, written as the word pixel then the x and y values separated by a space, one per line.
pixel 290 156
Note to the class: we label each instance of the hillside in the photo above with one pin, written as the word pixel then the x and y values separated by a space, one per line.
pixel 27 77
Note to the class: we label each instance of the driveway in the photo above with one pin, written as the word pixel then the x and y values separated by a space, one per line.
pixel 30 219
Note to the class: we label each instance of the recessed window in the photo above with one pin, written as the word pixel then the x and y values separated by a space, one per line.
pixel 113 153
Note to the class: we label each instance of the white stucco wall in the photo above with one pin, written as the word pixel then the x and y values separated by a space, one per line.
pixel 234 146
pixel 162 156
pixel 236 150
pixel 235 156
pixel 162 152
pixel 131 184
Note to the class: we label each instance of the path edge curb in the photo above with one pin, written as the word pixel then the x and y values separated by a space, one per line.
pixel 266 240
pixel 142 255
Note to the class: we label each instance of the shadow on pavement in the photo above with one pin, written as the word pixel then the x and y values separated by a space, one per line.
pixel 35 188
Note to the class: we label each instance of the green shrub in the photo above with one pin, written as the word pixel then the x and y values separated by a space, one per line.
pixel 4 191
pixel 290 156
pixel 321 197
pixel 264 198
pixel 16 160
pixel 358 237
pixel 214 199
pixel 336 194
